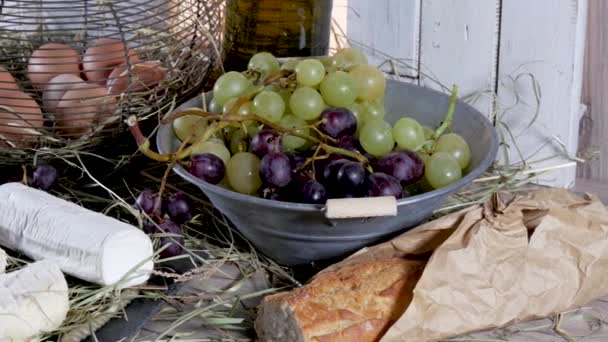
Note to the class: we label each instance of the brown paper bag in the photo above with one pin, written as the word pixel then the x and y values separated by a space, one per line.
pixel 514 258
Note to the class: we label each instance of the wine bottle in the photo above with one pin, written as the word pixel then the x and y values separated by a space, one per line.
pixel 285 28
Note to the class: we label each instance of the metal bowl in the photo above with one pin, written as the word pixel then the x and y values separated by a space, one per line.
pixel 294 234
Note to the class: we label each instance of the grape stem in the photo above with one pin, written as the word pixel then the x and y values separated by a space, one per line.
pixel 447 122
pixel 266 122
pixel 182 153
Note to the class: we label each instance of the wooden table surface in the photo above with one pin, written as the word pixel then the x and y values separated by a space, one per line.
pixel 588 324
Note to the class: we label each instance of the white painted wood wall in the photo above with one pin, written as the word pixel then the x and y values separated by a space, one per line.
pixel 488 47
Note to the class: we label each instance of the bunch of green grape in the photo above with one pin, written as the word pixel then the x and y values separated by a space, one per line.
pixel 340 143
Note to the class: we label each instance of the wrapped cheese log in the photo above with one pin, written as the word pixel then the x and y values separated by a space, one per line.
pixel 85 244
pixel 33 300
pixel 356 303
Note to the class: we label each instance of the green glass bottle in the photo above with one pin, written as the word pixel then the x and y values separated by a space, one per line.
pixel 285 28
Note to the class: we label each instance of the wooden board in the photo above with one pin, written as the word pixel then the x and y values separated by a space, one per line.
pixel 594 126
pixel 457 47
pixel 543 38
pixel 384 29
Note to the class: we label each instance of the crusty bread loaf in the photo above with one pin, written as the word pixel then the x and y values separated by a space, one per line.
pixel 357 303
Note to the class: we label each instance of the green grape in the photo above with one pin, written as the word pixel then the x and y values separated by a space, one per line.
pixel 253 128
pixel 428 132
pixel 441 169
pixel 245 109
pixel 290 65
pixel 456 146
pixel 370 82
pixel 424 156
pixel 357 109
pixel 285 94
pixel 408 134
pixel 349 57
pixel 243 171
pixel 229 85
pixel 238 142
pixel 228 132
pixel 339 89
pixel 264 63
pixel 306 103
pixel 213 146
pixel 329 63
pixel 372 111
pixel 291 142
pixel 189 127
pixel 213 107
pixel 310 72
pixel 269 105
pixel 377 137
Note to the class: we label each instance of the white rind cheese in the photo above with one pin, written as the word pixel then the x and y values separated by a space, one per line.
pixel 2 261
pixel 33 300
pixel 85 244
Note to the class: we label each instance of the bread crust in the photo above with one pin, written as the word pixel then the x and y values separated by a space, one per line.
pixel 355 303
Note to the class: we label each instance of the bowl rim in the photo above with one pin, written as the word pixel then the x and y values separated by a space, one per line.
pixel 304 207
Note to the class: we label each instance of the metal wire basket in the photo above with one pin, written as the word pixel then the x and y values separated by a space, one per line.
pixel 73 69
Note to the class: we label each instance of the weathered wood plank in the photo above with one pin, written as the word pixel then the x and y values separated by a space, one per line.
pixel 386 28
pixel 594 127
pixel 459 40
pixel 543 39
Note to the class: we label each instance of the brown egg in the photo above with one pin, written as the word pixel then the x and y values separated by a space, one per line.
pixel 102 56
pixel 7 81
pixel 144 76
pixel 50 60
pixel 81 107
pixel 55 90
pixel 20 119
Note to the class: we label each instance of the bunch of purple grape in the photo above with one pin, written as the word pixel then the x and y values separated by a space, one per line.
pixel 321 134
pixel 166 217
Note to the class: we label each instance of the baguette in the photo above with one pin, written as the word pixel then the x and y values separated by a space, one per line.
pixel 355 303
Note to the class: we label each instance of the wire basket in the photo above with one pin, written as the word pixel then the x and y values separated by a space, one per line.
pixel 72 70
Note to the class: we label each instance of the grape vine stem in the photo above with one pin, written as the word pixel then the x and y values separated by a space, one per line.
pixel 447 122
pixel 241 118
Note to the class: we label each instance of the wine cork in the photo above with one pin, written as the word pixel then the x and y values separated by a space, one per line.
pixel 361 207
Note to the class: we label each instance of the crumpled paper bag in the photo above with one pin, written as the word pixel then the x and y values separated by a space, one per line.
pixel 514 258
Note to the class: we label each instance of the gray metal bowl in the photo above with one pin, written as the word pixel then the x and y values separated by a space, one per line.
pixel 294 234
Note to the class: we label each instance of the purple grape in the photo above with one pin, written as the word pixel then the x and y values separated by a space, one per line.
pixel 207 167
pixel 314 192
pixel 270 193
pixel 406 166
pixel 275 169
pixel 149 227
pixel 147 200
pixel 351 143
pixel 174 249
pixel 44 177
pixel 338 122
pixel 381 184
pixel 179 208
pixel 266 141
pixel 296 160
pixel 350 177
pixel 330 172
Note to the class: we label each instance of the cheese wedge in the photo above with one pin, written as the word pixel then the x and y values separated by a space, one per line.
pixel 33 300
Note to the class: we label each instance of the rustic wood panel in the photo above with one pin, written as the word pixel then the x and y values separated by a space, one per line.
pixel 386 28
pixel 459 43
pixel 594 126
pixel 543 38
